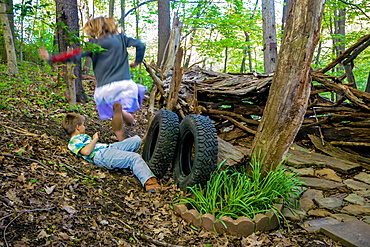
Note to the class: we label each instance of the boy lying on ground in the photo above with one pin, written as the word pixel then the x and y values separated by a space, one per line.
pixel 117 155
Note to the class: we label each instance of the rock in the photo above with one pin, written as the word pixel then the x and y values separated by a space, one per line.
pixel 309 171
pixel 349 233
pixel 316 224
pixel 343 217
pixel 319 213
pixel 363 193
pixel 319 183
pixel 367 219
pixel 329 202
pixel 356 199
pixel 313 194
pixel 356 185
pixel 328 174
pixel 296 215
pixel 363 177
pixel 356 210
pixel 306 204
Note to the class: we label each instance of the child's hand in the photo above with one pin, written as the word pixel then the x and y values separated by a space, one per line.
pixel 96 136
pixel 134 64
pixel 44 54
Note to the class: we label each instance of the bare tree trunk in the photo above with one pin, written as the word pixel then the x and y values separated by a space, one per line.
pixel 164 29
pixel 290 89
pixel 111 8
pixel 225 59
pixel 68 14
pixel 283 19
pixel 123 13
pixel 368 84
pixel 12 68
pixel 269 36
pixel 85 15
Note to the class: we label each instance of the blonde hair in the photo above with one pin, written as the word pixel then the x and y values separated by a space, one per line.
pixel 70 121
pixel 100 27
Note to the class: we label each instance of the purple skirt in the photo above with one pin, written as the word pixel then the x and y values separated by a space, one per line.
pixel 127 92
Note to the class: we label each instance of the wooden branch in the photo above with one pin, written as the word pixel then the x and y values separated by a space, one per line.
pixel 237 124
pixel 24 132
pixel 356 52
pixel 351 144
pixel 342 90
pixel 345 54
pixel 176 82
pixel 232 114
pixel 155 78
pixel 195 100
pixel 150 111
pixel 21 157
pixel 74 170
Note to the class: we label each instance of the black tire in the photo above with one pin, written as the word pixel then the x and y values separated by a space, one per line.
pixel 160 143
pixel 197 151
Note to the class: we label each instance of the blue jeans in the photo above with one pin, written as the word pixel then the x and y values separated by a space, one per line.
pixel 123 155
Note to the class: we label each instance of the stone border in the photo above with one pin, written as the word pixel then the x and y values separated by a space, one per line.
pixel 241 227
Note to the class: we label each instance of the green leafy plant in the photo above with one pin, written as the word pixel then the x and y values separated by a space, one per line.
pixel 235 192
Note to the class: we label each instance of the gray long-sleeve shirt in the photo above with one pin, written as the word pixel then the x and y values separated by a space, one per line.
pixel 112 64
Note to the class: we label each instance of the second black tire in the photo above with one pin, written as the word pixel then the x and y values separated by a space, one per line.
pixel 160 143
pixel 196 156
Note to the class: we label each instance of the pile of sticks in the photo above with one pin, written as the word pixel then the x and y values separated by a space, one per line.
pixel 235 101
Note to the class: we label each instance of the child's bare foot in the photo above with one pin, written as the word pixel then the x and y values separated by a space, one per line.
pixel 152 185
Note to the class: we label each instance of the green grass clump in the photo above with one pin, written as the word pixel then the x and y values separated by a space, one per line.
pixel 234 192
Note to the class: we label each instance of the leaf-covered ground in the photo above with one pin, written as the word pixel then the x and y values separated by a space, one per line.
pixel 50 197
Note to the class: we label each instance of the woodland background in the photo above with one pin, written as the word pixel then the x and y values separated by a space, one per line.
pixel 224 36
pixel 234 37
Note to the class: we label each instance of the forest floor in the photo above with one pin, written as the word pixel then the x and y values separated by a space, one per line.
pixel 50 197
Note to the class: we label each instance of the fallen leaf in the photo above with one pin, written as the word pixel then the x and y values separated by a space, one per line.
pixel 50 190
pixel 12 195
pixel 21 178
pixel 42 234
pixel 69 209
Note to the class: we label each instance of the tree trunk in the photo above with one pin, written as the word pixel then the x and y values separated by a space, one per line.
pixel 111 8
pixel 164 29
pixel 225 59
pixel 290 89
pixel 12 68
pixel 368 84
pixel 123 13
pixel 269 36
pixel 68 14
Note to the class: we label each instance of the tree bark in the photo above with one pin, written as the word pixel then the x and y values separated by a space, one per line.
pixel 290 89
pixel 12 68
pixel 269 36
pixel 111 8
pixel 68 14
pixel 164 29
